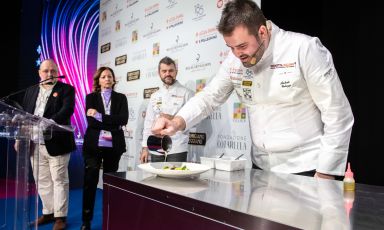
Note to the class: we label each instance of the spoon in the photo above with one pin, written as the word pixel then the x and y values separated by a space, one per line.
pixel 221 155
pixel 239 156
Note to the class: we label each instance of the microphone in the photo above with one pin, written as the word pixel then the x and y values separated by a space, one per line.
pixel 253 60
pixel 25 89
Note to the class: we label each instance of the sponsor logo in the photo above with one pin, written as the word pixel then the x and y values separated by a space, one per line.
pixel 151 72
pixel 132 21
pixel 152 31
pixel 248 74
pixel 232 142
pixel 200 84
pixel 174 21
pixel 139 55
pixel 247 83
pixel 151 10
pixel 171 4
pixel 131 3
pixel 121 60
pixel 197 138
pixel 199 65
pixel 121 42
pixel 177 46
pixel 206 35
pixel 149 91
pixel 236 71
pixel 247 93
pixel 103 16
pixel 117 25
pixel 133 75
pixel 131 113
pixel 236 78
pixel 105 31
pixel 156 49
pixel 199 12
pixel 216 115
pixel 285 65
pixel 105 48
pixel 117 10
pixel 135 36
pixel 239 111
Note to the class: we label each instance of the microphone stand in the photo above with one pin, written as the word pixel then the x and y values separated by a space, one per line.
pixel 22 90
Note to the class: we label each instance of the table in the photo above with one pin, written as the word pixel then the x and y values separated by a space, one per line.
pixel 246 199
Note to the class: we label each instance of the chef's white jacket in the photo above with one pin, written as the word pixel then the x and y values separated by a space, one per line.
pixel 300 119
pixel 169 101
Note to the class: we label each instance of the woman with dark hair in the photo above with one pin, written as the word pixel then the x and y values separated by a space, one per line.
pixel 104 142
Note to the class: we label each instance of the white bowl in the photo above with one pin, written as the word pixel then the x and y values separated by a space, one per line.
pixel 208 161
pixel 229 164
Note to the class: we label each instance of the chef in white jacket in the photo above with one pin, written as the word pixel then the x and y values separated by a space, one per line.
pixel 300 118
pixel 166 102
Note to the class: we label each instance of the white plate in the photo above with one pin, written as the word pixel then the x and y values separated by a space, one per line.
pixel 157 168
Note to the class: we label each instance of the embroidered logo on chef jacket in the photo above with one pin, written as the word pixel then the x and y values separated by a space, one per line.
pixel 284 68
pixel 247 93
pixel 329 73
pixel 284 65
pixel 235 71
pixel 177 100
pixel 247 83
pixel 236 76
pixel 285 84
pixel 248 74
pixel 157 105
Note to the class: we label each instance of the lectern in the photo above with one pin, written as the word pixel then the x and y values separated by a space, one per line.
pixel 18 190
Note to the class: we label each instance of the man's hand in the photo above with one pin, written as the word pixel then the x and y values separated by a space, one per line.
pixel 144 155
pixel 164 126
pixel 16 146
pixel 324 176
pixel 168 116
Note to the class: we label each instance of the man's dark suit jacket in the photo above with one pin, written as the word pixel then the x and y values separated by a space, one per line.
pixel 118 117
pixel 60 107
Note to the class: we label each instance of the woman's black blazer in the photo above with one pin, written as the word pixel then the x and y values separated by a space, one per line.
pixel 118 117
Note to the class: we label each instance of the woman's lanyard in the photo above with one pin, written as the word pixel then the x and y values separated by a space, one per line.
pixel 107 104
pixel 106 135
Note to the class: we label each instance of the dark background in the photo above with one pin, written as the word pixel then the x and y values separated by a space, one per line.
pixel 349 30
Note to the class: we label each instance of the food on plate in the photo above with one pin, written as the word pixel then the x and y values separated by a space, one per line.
pixel 176 168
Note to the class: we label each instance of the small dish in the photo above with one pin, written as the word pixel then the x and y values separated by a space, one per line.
pixel 230 164
pixel 208 161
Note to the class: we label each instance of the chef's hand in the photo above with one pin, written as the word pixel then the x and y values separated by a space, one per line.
pixel 324 176
pixel 164 126
pixel 168 116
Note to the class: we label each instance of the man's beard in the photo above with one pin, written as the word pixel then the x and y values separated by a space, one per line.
pixel 168 82
pixel 255 57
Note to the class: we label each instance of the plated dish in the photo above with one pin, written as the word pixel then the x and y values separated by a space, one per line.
pixel 174 169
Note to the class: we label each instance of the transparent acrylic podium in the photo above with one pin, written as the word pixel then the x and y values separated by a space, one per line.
pixel 18 190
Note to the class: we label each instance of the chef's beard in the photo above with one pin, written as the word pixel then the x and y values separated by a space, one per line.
pixel 167 82
pixel 255 57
